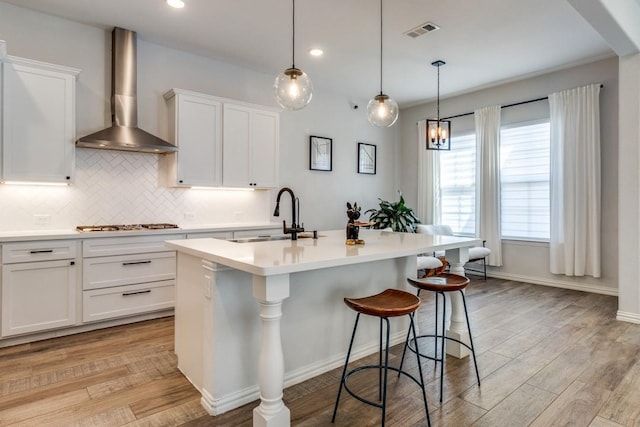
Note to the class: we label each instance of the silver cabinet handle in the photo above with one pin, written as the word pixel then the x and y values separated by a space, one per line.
pixel 137 262
pixel 126 294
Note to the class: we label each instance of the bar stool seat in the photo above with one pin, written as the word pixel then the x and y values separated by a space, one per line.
pixel 389 303
pixel 441 284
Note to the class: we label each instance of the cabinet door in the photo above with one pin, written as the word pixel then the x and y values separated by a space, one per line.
pixel 250 147
pixel 37 296
pixel 264 148
pixel 198 134
pixel 38 123
pixel 235 146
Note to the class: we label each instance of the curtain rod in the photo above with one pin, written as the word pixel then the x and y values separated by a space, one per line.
pixel 504 106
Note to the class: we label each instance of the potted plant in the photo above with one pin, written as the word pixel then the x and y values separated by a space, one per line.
pixel 395 215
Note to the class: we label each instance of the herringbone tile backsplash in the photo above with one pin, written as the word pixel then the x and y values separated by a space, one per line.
pixel 112 187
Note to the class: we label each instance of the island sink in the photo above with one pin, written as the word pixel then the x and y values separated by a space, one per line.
pixel 259 239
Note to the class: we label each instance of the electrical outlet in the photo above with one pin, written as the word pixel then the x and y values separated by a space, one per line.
pixel 208 286
pixel 189 216
pixel 42 219
pixel 238 216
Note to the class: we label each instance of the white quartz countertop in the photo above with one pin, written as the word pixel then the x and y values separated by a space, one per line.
pixel 71 233
pixel 273 257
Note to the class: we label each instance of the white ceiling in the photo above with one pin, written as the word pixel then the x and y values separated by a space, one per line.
pixel 484 42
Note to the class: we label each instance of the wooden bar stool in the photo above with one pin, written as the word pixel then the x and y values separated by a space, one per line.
pixel 389 303
pixel 441 283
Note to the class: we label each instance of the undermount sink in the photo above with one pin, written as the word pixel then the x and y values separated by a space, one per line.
pixel 257 239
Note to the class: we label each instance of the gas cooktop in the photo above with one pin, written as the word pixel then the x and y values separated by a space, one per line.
pixel 124 227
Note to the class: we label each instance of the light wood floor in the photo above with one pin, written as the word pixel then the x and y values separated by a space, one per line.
pixel 547 357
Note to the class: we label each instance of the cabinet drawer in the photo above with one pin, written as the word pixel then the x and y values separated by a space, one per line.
pixel 126 245
pixel 38 251
pixel 104 272
pixel 101 304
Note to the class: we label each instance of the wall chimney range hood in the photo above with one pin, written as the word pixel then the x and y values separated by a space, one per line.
pixel 124 134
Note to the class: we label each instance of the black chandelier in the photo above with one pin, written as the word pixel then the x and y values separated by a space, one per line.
pixel 438 130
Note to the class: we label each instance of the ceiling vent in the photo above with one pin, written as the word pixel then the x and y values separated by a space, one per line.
pixel 422 29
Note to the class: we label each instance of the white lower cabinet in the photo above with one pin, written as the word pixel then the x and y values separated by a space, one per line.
pixel 41 294
pixel 125 276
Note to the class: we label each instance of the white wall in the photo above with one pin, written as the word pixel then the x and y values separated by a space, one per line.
pixel 529 261
pixel 323 195
pixel 629 175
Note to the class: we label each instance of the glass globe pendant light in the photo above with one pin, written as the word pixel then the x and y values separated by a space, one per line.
pixel 293 88
pixel 382 111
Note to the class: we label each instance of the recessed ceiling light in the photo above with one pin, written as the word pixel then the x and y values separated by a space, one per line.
pixel 316 52
pixel 178 4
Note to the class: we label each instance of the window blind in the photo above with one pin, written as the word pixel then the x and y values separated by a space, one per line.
pixel 524 181
pixel 458 185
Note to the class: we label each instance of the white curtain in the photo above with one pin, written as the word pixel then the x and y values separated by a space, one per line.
pixel 487 122
pixel 575 181
pixel 428 208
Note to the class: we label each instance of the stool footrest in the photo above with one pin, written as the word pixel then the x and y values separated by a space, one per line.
pixel 377 367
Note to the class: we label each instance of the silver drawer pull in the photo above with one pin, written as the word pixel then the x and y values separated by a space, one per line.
pixel 136 262
pixel 42 251
pixel 126 294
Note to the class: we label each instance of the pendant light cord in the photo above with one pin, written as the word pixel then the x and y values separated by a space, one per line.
pixel 380 47
pixel 438 103
pixel 293 41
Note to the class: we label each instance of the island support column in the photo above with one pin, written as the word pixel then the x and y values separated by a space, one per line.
pixel 270 291
pixel 457 326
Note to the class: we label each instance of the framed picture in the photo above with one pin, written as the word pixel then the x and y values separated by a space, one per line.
pixel 320 152
pixel 366 158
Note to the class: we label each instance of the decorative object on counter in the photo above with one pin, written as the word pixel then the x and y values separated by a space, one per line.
pixel 394 215
pixel 320 153
pixel 353 212
pixel 366 158
pixel 295 227
pixel 438 130
pixel 293 88
pixel 382 111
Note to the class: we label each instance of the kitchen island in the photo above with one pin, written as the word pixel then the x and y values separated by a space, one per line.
pixel 234 352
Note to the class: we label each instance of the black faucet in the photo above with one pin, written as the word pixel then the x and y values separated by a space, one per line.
pixel 295 228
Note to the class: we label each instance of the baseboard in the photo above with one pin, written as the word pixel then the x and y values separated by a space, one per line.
pixel 221 405
pixel 55 333
pixel 628 317
pixel 554 283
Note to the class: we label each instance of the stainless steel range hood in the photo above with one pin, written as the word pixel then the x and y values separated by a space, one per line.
pixel 124 134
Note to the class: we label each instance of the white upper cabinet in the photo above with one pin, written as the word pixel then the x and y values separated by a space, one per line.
pixel 221 142
pixel 195 126
pixel 250 146
pixel 38 121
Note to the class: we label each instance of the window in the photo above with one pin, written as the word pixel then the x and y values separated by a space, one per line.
pixel 524 181
pixel 458 185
